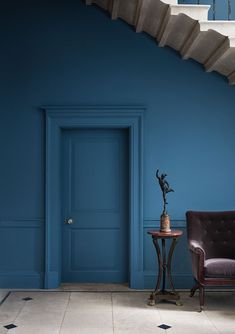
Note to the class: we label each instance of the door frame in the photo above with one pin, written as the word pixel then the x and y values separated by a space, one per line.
pixel 106 117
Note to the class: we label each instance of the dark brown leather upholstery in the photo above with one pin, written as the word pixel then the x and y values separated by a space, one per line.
pixel 211 239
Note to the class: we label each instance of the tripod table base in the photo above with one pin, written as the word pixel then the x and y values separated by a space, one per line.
pixel 156 297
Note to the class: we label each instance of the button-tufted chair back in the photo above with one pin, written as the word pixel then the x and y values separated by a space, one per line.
pixel 211 240
pixel 214 231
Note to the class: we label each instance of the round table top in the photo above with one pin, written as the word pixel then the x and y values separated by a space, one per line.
pixel 171 234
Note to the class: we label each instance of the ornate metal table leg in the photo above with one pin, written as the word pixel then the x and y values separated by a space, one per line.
pixel 152 298
pixel 164 266
pixel 175 295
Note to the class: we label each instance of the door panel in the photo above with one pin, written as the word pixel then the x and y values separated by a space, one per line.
pixel 95 195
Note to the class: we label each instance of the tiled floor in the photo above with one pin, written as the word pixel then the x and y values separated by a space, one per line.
pixel 125 312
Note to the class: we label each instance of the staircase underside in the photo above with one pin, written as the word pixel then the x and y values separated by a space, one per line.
pixel 184 28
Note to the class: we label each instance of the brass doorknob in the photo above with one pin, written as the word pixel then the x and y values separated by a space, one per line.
pixel 69 221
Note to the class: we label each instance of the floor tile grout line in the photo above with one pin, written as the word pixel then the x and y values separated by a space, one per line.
pixel 5 298
pixel 19 312
pixel 112 311
pixel 65 312
pixel 211 322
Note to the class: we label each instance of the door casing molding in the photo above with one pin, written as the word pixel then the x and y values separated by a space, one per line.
pixel 111 117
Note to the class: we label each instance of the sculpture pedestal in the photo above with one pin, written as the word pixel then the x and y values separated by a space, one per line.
pixel 165 223
pixel 164 267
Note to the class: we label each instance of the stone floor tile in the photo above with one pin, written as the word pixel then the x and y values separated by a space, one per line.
pixel 216 301
pixel 94 312
pixel 35 330
pixel 10 309
pixel 227 330
pixel 87 330
pixel 89 302
pixel 140 331
pixel 135 319
pixel 90 296
pixel 89 319
pixel 193 329
pixel 222 320
pixel 3 330
pixel 39 318
pixel 43 295
pixel 135 300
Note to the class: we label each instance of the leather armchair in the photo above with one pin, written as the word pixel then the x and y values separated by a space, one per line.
pixel 211 240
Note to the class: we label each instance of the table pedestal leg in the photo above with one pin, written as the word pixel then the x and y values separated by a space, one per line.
pixel 164 268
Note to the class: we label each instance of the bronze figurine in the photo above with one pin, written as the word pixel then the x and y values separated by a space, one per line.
pixel 164 185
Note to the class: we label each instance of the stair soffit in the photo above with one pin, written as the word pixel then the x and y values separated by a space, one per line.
pixel 184 28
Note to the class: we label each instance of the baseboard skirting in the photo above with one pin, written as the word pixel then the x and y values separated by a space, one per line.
pixel 35 280
pixel 21 280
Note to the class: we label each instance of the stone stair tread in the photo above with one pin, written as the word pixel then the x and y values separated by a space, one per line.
pixel 226 28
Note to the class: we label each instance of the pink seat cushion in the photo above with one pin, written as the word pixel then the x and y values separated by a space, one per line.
pixel 220 267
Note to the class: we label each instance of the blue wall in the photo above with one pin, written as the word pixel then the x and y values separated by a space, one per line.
pixel 65 53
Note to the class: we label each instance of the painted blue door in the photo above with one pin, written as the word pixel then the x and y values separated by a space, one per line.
pixel 95 196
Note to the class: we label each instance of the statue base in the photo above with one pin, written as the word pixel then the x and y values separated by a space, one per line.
pixel 165 224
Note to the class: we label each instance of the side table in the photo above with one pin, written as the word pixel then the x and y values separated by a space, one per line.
pixel 164 264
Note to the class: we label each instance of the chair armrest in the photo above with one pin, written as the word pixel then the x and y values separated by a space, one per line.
pixel 195 247
pixel 198 259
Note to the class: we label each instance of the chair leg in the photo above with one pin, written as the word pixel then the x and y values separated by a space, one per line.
pixel 201 297
pixel 194 288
